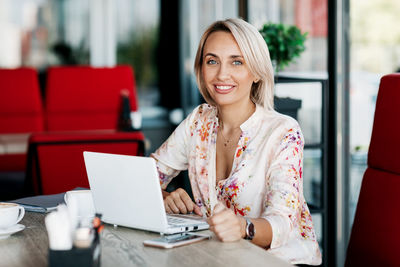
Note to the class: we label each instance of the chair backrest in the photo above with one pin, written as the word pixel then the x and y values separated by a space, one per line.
pixel 56 163
pixel 376 232
pixel 21 108
pixel 87 98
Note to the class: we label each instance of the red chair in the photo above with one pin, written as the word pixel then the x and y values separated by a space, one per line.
pixel 82 110
pixel 21 113
pixel 87 98
pixel 56 159
pixel 376 233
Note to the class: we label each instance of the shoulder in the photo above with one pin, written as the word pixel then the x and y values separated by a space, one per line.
pixel 203 112
pixel 279 122
pixel 201 119
pixel 281 130
pixel 288 131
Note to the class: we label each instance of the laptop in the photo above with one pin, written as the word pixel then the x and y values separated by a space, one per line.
pixel 126 191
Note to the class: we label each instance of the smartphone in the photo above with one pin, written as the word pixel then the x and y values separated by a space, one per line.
pixel 176 240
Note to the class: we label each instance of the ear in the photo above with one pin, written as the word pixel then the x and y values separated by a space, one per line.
pixel 256 80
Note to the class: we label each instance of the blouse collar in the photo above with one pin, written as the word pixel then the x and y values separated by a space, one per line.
pixel 253 119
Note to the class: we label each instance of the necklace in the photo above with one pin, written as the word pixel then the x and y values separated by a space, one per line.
pixel 226 140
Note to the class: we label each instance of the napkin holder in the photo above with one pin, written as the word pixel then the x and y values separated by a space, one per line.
pixel 76 256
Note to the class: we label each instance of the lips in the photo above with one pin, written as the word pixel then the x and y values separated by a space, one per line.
pixel 224 89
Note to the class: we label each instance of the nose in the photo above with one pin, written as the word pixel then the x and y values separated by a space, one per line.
pixel 223 71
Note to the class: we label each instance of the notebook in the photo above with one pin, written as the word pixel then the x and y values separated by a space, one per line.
pixel 126 191
pixel 42 203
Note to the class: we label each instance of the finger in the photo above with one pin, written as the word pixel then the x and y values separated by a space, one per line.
pixel 221 232
pixel 180 204
pixel 176 198
pixel 186 200
pixel 221 217
pixel 231 233
pixel 171 204
pixel 215 217
pixel 197 210
pixel 167 209
pixel 226 225
pixel 227 232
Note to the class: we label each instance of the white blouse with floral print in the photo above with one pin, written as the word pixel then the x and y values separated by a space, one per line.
pixel 266 180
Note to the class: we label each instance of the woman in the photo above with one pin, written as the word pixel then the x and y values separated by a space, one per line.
pixel 244 159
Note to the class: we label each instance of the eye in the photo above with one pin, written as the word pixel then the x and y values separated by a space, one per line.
pixel 237 62
pixel 211 62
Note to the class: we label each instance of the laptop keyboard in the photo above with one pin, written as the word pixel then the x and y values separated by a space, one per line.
pixel 174 220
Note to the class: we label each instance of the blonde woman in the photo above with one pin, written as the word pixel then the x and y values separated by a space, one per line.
pixel 244 159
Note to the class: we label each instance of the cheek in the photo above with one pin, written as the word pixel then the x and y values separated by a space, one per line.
pixel 208 77
pixel 247 79
pixel 207 74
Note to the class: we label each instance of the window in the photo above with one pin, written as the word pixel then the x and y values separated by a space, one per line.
pixel 311 17
pixel 42 33
pixel 137 24
pixel 375 52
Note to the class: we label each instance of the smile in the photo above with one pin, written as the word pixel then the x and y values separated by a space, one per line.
pixel 223 89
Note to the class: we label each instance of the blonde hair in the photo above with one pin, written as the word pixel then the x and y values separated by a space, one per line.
pixel 255 53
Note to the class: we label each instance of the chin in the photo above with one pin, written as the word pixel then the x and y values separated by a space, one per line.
pixel 225 102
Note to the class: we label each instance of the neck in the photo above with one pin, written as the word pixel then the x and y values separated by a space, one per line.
pixel 232 116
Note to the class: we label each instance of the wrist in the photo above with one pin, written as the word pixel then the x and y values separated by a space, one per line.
pixel 243 227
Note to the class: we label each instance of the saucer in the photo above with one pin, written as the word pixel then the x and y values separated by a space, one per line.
pixel 5 233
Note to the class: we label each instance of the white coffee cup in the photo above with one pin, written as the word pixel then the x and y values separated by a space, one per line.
pixel 83 200
pixel 10 214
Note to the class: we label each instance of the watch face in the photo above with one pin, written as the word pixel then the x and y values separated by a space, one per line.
pixel 251 230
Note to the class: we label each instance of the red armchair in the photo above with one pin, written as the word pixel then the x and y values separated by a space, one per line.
pixel 376 232
pixel 82 110
pixel 21 113
pixel 87 98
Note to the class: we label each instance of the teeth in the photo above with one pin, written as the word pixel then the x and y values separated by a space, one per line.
pixel 224 87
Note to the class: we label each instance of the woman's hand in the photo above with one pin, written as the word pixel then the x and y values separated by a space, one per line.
pixel 179 201
pixel 226 225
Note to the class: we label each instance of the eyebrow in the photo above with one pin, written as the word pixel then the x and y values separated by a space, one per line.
pixel 214 55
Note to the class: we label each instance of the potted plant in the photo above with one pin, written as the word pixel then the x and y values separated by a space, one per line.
pixel 285 43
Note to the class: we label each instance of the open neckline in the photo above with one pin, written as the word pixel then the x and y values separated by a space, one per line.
pixel 217 182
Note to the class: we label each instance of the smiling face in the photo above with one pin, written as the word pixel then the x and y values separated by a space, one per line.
pixel 225 73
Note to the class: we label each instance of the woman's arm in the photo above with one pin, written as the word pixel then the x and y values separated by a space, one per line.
pixel 263 236
pixel 171 158
pixel 229 227
pixel 283 199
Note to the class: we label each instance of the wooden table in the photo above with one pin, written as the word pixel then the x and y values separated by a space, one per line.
pixel 124 247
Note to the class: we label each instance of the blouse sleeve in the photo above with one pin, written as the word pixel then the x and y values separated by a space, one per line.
pixel 284 185
pixel 172 157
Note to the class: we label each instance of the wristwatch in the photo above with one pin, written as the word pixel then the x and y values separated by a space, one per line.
pixel 250 230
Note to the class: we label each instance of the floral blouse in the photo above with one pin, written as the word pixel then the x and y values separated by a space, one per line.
pixel 266 180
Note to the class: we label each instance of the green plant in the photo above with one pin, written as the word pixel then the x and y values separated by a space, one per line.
pixel 285 42
pixel 140 51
